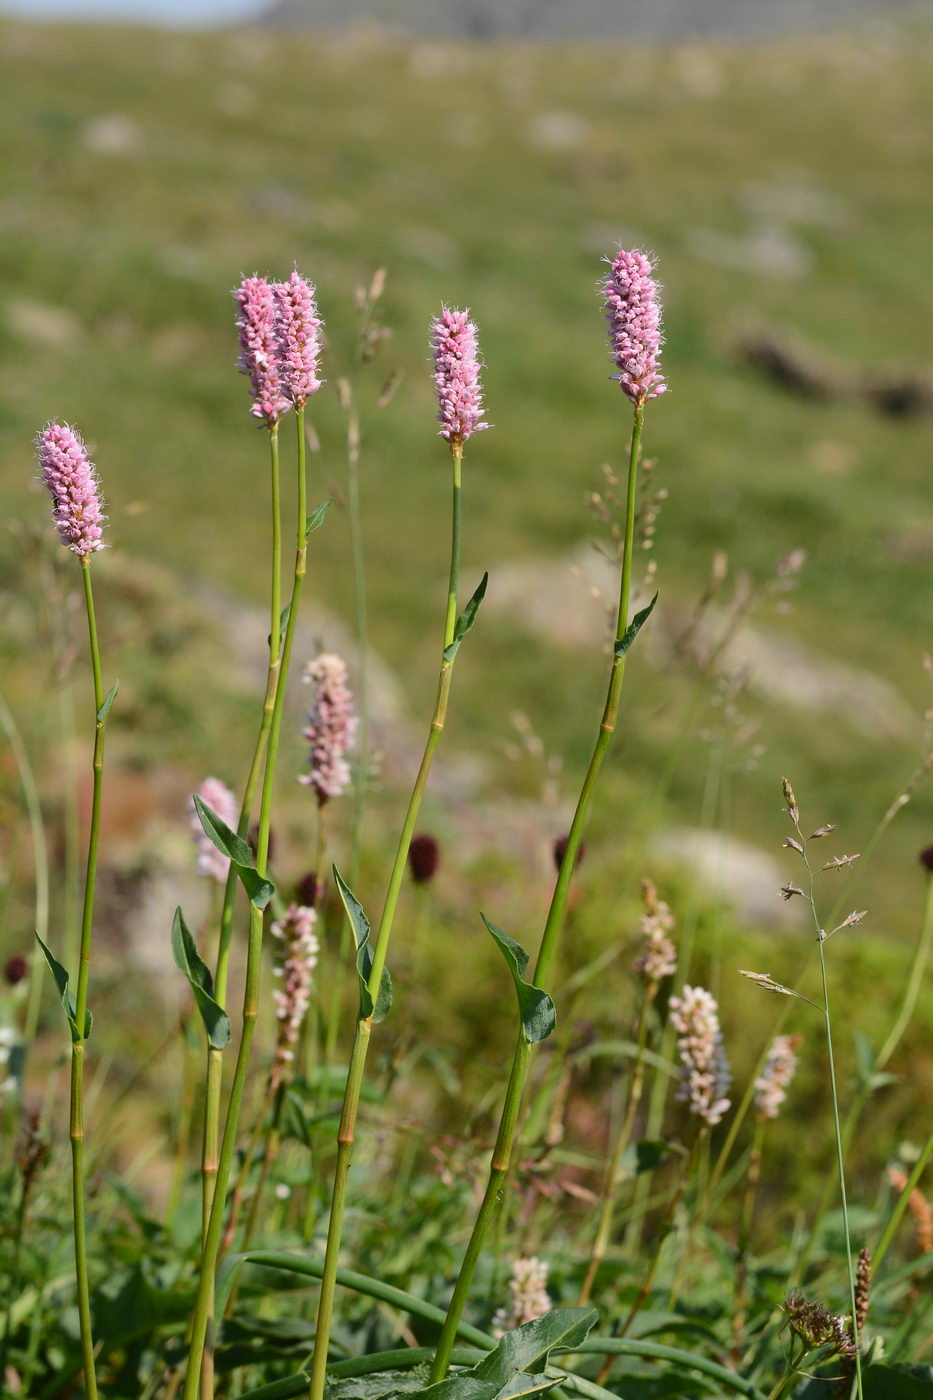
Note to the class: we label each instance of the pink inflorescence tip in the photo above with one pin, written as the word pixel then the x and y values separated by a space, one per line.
pixel 705 1076
pixel 456 375
pixel 331 726
pixel 299 338
pixel 295 966
pixel 72 480
pixel 211 862
pixel 260 353
pixel 634 315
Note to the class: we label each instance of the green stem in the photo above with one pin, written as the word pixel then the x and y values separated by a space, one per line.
pixel 841 1164
pixel 501 1157
pixel 347 1128
pixel 210 1149
pixel 604 1228
pixel 361 775
pixel 79 1037
pixel 911 992
pixel 202 1322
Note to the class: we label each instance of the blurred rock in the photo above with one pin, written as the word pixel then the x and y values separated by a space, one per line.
pixel 111 135
pixel 734 871
pixel 42 324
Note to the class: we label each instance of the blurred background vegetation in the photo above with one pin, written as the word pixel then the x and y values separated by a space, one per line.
pixel 784 187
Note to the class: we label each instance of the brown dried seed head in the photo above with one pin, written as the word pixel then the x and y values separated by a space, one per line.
pixel 788 891
pixel 793 811
pixel 822 831
pixel 793 845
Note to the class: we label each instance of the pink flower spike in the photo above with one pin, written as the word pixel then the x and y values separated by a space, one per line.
pixel 72 480
pixel 331 727
pixel 260 356
pixel 211 862
pixel 456 375
pixel 299 338
pixel 634 315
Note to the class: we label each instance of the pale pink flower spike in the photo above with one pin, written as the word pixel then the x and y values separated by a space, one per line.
pixel 331 727
pixel 75 489
pixel 299 338
pixel 211 862
pixel 705 1076
pixel 634 315
pixel 260 354
pixel 456 376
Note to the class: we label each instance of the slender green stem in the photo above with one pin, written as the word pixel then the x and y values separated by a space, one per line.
pixel 79 1036
pixel 610 1182
pixel 210 1149
pixel 202 1322
pixel 347 1128
pixel 841 1165
pixel 361 773
pixel 861 1097
pixel 508 1123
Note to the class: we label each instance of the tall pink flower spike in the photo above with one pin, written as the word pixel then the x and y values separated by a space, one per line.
pixel 75 489
pixel 260 353
pixel 331 727
pixel 456 375
pixel 299 338
pixel 634 315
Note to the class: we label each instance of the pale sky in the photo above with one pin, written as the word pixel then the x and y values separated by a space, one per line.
pixel 171 12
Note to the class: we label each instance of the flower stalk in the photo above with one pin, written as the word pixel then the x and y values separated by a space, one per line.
pixel 508 1123
pixel 202 1323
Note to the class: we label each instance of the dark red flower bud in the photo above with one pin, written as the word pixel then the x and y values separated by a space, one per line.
pixel 560 850
pixel 926 858
pixel 424 856
pixel 15 969
pixel 307 890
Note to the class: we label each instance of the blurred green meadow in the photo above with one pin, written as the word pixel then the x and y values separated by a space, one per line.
pixel 785 190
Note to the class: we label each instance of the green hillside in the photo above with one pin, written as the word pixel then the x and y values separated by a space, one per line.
pixel 782 189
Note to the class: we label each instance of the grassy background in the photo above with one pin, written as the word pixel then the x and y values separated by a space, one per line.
pixel 780 186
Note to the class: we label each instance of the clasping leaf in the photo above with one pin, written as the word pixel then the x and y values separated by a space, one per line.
pixel 188 959
pixel 362 928
pixel 535 1006
pixel 68 1001
pixel 634 627
pixel 238 852
pixel 466 619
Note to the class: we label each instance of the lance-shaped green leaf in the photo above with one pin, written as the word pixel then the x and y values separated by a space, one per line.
pixel 315 520
pixel 528 1349
pixel 188 959
pixel 283 623
pixel 109 698
pixel 238 852
pixel 362 928
pixel 535 1006
pixel 634 627
pixel 68 1001
pixel 466 619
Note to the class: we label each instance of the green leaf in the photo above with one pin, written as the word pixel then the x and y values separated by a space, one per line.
pixel 898 1382
pixel 535 1007
pixel 188 959
pixel 523 1384
pixel 466 619
pixel 463 1387
pixel 238 852
pixel 68 1001
pixel 528 1349
pixel 316 519
pixel 634 627
pixel 641 1157
pixel 283 623
pixel 362 928
pixel 109 698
